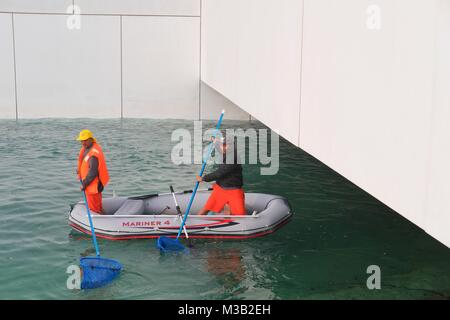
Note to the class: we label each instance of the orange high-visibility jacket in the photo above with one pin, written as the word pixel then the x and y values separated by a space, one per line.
pixel 83 167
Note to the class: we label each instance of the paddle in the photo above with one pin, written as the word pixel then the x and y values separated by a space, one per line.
pixel 97 271
pixel 166 244
pixel 178 210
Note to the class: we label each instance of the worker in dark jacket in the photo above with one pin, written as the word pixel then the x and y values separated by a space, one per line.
pixel 227 192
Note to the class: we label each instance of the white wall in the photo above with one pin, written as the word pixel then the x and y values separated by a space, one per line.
pixel 140 7
pixel 7 94
pixel 375 104
pixel 136 58
pixel 212 104
pixel 67 73
pixel 251 52
pixel 117 7
pixel 35 6
pixel 367 96
pixel 437 217
pixel 161 63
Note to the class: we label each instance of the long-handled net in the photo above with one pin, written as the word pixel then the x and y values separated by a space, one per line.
pixel 166 244
pixel 97 271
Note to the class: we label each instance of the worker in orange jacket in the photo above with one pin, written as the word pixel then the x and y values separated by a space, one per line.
pixel 92 170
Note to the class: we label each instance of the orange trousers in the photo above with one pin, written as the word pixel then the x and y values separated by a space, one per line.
pixel 95 202
pixel 235 198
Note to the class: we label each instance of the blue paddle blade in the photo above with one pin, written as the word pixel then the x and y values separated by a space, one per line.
pixel 97 271
pixel 165 244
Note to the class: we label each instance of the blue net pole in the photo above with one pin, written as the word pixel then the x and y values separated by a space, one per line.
pixel 94 238
pixel 200 174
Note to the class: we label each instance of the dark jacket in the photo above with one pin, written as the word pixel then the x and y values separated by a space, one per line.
pixel 227 176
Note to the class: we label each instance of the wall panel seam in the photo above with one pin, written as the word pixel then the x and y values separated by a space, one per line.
pixel 15 69
pixel 121 69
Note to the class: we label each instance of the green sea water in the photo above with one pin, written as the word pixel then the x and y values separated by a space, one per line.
pixel 337 231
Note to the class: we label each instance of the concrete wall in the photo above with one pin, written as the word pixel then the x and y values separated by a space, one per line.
pixel 437 217
pixel 212 103
pixel 362 85
pixel 7 87
pixel 367 96
pixel 69 73
pixel 135 58
pixel 377 122
pixel 35 6
pixel 141 7
pixel 161 67
pixel 251 53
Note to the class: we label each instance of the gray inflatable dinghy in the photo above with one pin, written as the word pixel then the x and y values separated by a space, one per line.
pixel 152 216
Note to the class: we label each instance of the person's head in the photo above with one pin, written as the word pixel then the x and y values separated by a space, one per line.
pixel 223 146
pixel 86 138
pixel 226 144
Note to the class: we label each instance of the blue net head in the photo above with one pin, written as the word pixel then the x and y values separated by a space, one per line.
pixel 97 271
pixel 165 244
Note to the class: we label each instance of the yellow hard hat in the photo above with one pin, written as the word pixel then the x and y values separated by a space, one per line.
pixel 85 134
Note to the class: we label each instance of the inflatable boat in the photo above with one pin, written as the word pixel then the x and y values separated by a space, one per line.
pixel 155 215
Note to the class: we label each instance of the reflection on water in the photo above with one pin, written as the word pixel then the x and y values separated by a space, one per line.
pixel 227 266
pixel 88 252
